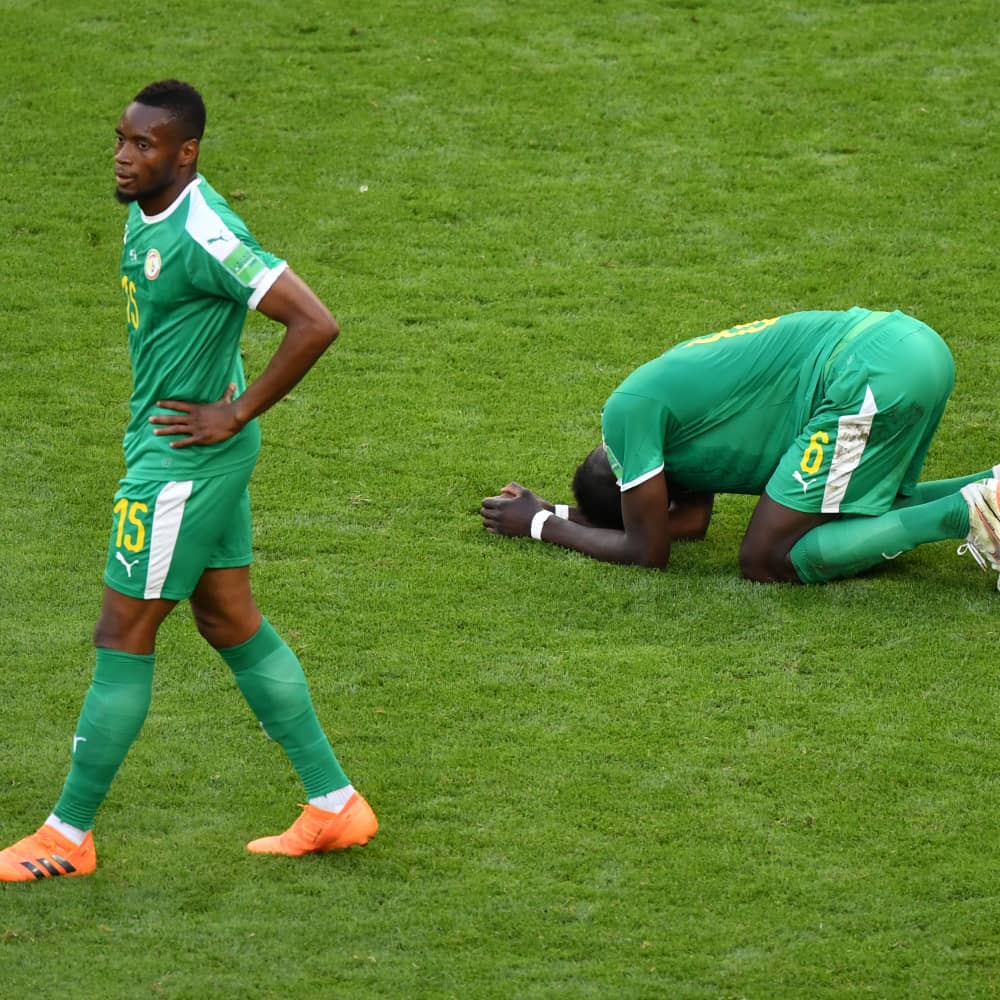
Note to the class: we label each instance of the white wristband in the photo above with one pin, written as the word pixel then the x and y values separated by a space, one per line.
pixel 562 510
pixel 536 524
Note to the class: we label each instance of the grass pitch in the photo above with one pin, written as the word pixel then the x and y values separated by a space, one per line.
pixel 592 780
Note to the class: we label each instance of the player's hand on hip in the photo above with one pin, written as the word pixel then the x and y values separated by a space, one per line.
pixel 511 512
pixel 200 423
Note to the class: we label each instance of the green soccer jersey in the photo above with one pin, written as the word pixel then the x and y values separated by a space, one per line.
pixel 717 413
pixel 189 274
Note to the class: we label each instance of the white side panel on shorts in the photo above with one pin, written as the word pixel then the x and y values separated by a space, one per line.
pixel 167 514
pixel 852 436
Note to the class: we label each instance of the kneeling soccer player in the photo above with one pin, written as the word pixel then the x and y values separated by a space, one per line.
pixel 827 416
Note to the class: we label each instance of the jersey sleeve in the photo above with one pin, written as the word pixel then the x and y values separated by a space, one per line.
pixel 225 258
pixel 634 428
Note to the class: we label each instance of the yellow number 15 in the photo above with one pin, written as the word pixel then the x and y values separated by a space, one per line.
pixel 129 512
pixel 131 306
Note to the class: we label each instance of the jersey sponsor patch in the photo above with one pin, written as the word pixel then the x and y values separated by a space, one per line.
pixel 244 265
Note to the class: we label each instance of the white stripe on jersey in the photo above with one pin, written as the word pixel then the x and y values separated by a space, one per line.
pixel 639 480
pixel 167 514
pixel 206 228
pixel 852 437
pixel 264 283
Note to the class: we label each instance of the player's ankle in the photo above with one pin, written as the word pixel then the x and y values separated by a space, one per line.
pixel 70 832
pixel 333 801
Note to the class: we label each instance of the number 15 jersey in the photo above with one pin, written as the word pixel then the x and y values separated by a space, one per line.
pixel 188 276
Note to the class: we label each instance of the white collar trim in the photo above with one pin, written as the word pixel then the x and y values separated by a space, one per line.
pixel 169 210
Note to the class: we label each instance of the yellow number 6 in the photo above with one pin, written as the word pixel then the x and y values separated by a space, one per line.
pixel 812 457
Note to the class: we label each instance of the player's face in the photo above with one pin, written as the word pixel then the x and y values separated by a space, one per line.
pixel 151 158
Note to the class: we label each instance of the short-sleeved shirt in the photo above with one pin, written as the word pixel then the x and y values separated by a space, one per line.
pixel 795 405
pixel 188 276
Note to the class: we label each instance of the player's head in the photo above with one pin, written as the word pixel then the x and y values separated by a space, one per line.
pixel 182 102
pixel 156 153
pixel 597 492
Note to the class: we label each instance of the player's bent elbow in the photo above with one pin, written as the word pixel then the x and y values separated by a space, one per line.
pixel 329 329
pixel 314 332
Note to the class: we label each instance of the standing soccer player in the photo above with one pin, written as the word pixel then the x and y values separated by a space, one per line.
pixel 181 516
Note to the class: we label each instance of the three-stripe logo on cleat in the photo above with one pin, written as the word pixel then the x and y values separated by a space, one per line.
pixel 49 867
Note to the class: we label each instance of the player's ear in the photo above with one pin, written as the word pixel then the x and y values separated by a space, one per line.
pixel 188 152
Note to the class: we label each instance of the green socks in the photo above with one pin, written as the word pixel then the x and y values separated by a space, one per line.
pixel 114 709
pixel 851 545
pixel 271 679
pixel 935 489
pixel 113 713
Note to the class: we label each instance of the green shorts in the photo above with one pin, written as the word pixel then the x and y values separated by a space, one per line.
pixel 164 535
pixel 881 397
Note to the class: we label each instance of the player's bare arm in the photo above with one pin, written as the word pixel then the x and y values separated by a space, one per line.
pixel 310 330
pixel 690 514
pixel 645 540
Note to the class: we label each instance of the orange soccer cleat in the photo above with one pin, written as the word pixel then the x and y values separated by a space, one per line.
pixel 47 854
pixel 317 830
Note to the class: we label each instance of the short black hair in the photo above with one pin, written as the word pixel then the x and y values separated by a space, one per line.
pixel 597 493
pixel 182 101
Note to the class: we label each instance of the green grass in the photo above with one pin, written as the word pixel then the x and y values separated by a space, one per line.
pixel 592 781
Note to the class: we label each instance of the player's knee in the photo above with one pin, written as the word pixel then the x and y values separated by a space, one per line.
pixel 129 625
pixel 224 627
pixel 213 626
pixel 764 565
pixel 106 636
pixel 752 567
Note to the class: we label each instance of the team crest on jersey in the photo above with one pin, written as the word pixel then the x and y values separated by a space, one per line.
pixel 153 263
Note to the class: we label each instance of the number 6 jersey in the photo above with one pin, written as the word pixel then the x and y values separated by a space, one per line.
pixel 826 411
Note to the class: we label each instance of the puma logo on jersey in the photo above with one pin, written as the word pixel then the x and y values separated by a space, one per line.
pixel 806 483
pixel 128 565
pixel 221 238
